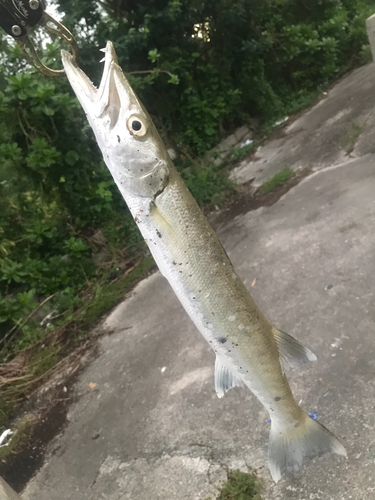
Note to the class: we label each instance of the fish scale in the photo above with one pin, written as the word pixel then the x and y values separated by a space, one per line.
pixel 213 294
pixel 249 349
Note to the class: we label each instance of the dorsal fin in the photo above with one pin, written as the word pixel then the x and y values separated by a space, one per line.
pixel 292 353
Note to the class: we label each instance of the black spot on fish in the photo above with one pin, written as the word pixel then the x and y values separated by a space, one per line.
pixel 297 424
pixel 277 399
pixel 222 340
pixel 158 233
pixel 118 139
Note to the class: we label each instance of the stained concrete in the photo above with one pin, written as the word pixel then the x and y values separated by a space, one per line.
pixel 147 423
pixel 322 136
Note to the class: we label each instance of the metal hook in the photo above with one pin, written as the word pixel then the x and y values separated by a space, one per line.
pixel 18 18
pixel 52 27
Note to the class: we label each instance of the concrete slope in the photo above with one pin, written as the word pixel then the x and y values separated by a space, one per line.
pixel 339 126
pixel 152 427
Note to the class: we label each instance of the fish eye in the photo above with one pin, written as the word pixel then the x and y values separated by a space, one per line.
pixel 137 126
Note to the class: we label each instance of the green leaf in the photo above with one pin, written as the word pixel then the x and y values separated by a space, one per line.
pixel 153 55
pixel 174 80
pixel 48 111
pixel 72 157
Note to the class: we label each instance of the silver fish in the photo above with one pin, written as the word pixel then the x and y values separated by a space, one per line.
pixel 249 350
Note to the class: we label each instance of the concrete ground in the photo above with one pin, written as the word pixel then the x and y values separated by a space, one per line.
pixel 147 424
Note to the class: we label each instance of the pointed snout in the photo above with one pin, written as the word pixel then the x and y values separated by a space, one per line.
pixel 114 94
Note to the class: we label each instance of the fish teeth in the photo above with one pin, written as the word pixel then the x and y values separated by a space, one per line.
pixel 104 49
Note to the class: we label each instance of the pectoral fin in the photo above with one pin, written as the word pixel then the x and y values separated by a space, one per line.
pixel 292 353
pixel 225 379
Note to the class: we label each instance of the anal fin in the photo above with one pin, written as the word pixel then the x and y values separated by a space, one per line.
pixel 292 353
pixel 225 379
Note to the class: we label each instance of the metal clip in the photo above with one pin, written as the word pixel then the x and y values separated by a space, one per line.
pixel 19 17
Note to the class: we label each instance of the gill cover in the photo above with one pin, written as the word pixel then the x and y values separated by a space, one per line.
pixel 129 141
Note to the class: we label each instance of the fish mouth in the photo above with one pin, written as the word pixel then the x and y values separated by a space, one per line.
pixel 102 100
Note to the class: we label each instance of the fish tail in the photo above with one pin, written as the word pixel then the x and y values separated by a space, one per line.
pixel 306 439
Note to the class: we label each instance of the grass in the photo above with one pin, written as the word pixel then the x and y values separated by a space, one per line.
pixel 351 137
pixel 278 179
pixel 241 486
pixel 107 296
pixel 17 437
pixel 32 364
pixel 44 360
pixel 208 183
pixel 239 153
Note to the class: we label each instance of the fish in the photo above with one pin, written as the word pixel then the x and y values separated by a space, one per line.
pixel 249 350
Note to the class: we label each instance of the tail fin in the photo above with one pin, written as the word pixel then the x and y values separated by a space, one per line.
pixel 288 447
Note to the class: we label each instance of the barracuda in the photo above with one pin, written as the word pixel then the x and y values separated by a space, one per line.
pixel 249 350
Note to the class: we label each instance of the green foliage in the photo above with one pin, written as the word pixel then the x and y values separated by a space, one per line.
pixel 278 179
pixel 41 154
pixel 238 154
pixel 230 61
pixel 240 486
pixel 55 191
pixel 201 69
pixel 43 360
pixel 351 137
pixel 108 295
pixel 18 436
pixel 207 183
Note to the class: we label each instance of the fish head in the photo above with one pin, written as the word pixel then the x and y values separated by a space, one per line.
pixel 131 146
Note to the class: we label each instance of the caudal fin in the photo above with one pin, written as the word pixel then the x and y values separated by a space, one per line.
pixel 288 447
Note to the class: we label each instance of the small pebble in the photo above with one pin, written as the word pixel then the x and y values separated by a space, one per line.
pixel 95 435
